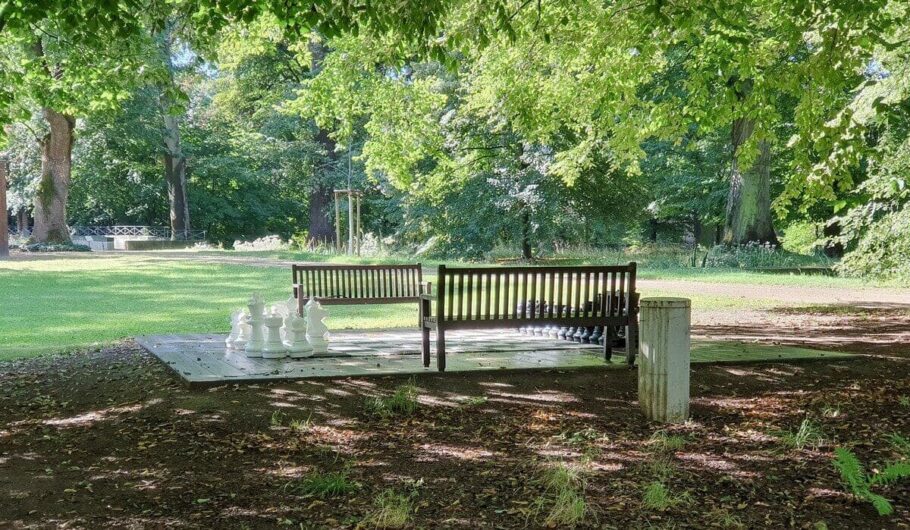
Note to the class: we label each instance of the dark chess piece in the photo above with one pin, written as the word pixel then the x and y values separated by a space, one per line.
pixel 576 337
pixel 586 336
pixel 596 334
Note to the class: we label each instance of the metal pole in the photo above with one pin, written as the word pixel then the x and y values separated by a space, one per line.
pixel 4 217
pixel 337 224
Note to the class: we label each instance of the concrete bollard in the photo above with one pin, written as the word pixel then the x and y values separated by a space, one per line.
pixel 663 361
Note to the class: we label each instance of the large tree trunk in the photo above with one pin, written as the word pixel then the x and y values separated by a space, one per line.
pixel 174 159
pixel 175 176
pixel 4 214
pixel 749 200
pixel 321 228
pixel 53 186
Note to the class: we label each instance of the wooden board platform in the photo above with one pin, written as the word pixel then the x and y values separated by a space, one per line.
pixel 201 359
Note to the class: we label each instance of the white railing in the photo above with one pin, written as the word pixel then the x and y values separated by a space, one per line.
pixel 157 232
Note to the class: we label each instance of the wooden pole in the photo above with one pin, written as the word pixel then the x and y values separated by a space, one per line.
pixel 4 215
pixel 359 227
pixel 337 224
pixel 350 222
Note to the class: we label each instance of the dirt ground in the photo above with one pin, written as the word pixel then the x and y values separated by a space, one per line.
pixel 110 439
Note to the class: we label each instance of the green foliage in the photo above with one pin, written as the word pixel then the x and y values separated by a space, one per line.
pixel 860 484
pixel 802 238
pixel 403 402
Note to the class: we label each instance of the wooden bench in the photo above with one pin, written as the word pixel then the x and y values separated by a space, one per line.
pixel 357 284
pixel 511 297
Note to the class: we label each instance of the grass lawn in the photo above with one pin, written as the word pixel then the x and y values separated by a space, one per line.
pixel 62 303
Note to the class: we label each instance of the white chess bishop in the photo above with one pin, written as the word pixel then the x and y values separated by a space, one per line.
pixel 317 333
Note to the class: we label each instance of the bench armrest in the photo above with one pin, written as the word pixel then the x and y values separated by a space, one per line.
pixel 426 288
pixel 428 296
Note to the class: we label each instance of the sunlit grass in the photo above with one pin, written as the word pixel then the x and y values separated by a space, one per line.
pixel 58 303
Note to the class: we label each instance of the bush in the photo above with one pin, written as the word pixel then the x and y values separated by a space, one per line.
pixel 755 255
pixel 50 247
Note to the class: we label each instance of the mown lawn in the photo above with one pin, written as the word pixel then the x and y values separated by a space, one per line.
pixel 70 302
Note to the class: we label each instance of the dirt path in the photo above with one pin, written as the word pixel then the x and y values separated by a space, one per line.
pixel 788 294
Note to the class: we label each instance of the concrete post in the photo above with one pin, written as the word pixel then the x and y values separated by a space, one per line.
pixel 663 362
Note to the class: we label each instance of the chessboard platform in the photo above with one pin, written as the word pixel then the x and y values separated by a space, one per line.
pixel 201 359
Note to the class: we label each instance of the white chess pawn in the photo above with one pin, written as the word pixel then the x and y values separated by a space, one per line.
pixel 231 341
pixel 273 347
pixel 317 333
pixel 295 336
pixel 256 340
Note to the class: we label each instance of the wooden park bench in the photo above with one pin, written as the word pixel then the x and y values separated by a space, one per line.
pixel 512 297
pixel 357 284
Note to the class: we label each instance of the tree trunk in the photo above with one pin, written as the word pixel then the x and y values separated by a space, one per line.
pixel 22 222
pixel 832 249
pixel 526 252
pixel 53 186
pixel 696 228
pixel 749 200
pixel 174 159
pixel 175 176
pixel 4 214
pixel 321 229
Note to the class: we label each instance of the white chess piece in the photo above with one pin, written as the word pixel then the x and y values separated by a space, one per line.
pixel 245 331
pixel 317 333
pixel 231 341
pixel 295 334
pixel 273 347
pixel 256 340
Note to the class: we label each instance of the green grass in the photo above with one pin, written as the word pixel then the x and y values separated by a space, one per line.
pixel 57 303
pixel 808 434
pixel 324 485
pixel 54 305
pixel 562 504
pixel 401 403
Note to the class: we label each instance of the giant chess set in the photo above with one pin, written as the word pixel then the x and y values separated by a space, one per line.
pixel 278 330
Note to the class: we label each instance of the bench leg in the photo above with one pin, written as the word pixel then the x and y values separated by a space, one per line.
pixel 631 343
pixel 608 342
pixel 425 346
pixel 441 349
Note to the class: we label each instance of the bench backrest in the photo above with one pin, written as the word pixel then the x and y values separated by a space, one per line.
pixel 357 284
pixel 535 293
